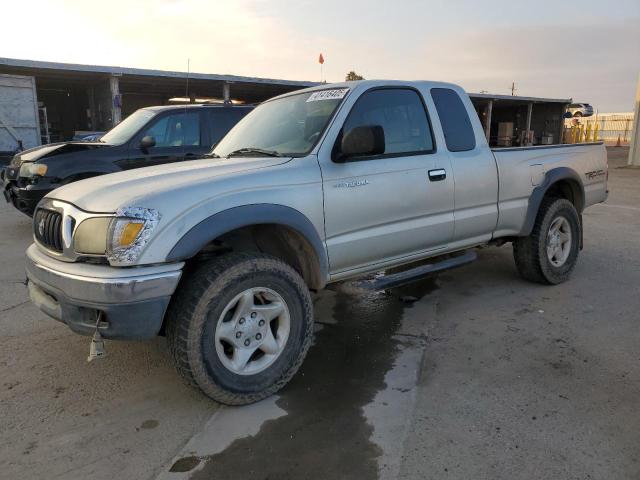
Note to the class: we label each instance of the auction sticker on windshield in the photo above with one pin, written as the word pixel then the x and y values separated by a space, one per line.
pixel 328 94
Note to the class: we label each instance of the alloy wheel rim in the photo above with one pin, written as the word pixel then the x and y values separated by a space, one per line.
pixel 252 331
pixel 559 241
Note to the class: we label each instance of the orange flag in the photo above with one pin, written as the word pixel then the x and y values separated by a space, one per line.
pixel 320 59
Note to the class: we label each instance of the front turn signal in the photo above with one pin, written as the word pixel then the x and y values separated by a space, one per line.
pixel 130 232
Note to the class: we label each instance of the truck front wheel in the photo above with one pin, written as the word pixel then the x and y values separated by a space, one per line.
pixel 239 326
pixel 550 253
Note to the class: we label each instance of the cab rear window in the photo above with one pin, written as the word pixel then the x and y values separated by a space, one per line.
pixel 456 124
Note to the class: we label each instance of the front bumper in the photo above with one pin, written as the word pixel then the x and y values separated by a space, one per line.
pixel 132 301
pixel 26 198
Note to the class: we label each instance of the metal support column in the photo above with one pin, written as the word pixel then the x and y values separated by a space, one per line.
pixel 528 124
pixel 561 132
pixel 93 114
pixel 116 100
pixel 487 119
pixel 226 92
pixel 634 150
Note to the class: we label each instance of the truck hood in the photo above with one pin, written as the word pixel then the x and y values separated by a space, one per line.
pixel 53 149
pixel 151 186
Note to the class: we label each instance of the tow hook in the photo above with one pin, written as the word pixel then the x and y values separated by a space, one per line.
pixel 96 347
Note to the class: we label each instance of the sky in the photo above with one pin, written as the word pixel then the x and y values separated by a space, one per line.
pixel 587 50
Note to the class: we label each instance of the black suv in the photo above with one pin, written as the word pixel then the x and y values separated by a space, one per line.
pixel 149 136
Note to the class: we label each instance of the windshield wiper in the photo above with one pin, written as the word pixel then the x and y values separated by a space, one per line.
pixel 211 155
pixel 250 150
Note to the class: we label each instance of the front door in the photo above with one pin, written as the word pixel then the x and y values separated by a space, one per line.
pixel 392 206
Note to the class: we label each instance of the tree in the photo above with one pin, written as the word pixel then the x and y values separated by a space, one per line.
pixel 353 76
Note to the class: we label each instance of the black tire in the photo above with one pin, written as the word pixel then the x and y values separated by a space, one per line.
pixel 201 298
pixel 530 253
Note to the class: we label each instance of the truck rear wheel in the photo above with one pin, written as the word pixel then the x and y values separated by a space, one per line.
pixel 239 327
pixel 550 253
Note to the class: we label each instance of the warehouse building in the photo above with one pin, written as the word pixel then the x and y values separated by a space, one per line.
pixel 519 121
pixel 77 98
pixel 69 99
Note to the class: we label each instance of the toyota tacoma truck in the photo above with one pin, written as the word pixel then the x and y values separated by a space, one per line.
pixel 312 187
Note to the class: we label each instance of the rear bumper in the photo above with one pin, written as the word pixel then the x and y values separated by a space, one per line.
pixel 132 300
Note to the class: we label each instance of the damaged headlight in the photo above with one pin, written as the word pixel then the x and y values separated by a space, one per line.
pixel 120 237
pixel 129 232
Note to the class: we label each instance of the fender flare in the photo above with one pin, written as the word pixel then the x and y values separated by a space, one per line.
pixel 551 177
pixel 243 216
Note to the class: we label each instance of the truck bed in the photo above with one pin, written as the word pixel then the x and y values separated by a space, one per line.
pixel 587 163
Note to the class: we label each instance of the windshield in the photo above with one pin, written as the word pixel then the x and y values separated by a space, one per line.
pixel 122 132
pixel 288 126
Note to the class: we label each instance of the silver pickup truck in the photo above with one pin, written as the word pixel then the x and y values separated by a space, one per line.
pixel 312 187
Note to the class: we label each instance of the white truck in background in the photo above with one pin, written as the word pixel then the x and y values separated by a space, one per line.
pixel 312 187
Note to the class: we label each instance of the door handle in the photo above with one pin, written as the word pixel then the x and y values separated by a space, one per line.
pixel 437 174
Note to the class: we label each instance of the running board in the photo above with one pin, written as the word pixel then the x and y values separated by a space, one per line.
pixel 418 273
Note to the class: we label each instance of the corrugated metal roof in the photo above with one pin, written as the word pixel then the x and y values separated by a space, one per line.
pixel 74 67
pixel 491 96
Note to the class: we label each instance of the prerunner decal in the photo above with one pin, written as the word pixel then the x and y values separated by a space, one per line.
pixel 594 174
pixel 338 93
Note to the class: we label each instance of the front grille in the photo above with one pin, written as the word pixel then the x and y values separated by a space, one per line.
pixel 47 226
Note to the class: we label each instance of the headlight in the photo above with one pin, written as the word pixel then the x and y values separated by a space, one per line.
pixel 90 236
pixel 32 169
pixel 120 237
pixel 128 234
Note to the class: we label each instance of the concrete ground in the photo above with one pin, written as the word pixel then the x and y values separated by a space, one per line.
pixel 473 374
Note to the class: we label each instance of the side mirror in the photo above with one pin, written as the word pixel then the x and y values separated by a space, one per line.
pixel 362 141
pixel 147 142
